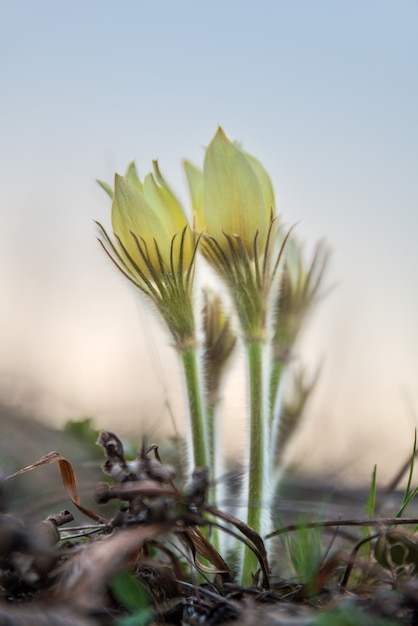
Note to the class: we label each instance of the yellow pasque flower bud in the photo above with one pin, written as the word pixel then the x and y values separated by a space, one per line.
pixel 233 196
pixel 149 228
pixel 154 246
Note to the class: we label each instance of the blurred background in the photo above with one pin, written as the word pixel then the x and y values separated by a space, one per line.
pixel 324 93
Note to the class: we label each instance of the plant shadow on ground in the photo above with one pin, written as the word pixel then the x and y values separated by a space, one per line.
pixel 145 557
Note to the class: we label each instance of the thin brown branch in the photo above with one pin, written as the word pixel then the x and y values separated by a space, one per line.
pixel 379 521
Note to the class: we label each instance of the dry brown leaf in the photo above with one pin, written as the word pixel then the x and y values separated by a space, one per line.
pixel 68 479
pixel 256 544
pixel 89 570
pixel 198 544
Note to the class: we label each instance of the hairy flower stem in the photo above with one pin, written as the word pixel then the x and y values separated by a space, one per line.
pixel 277 368
pixel 275 390
pixel 213 460
pixel 202 431
pixel 199 455
pixel 258 487
pixel 211 434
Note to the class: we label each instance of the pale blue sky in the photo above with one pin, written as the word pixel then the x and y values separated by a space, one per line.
pixel 325 93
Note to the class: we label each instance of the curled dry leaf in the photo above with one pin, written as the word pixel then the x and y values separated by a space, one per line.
pixel 68 479
pixel 255 543
pixel 198 544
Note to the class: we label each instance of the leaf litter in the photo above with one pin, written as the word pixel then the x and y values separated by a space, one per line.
pixel 152 561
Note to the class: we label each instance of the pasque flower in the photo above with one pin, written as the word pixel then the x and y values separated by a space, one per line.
pixel 234 209
pixel 148 223
pixel 233 202
pixel 232 196
pixel 155 248
pixel 154 245
pixel 237 195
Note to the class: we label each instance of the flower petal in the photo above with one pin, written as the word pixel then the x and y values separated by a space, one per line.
pixel 265 181
pixel 132 176
pixel 195 181
pixel 165 205
pixel 131 215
